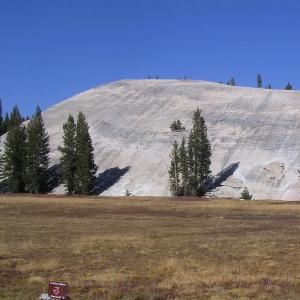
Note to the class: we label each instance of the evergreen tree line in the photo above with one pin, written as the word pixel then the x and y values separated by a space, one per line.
pixel 259 83
pixel 7 119
pixel 24 163
pixel 190 161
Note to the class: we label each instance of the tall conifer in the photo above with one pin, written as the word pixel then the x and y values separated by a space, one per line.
pixel 68 155
pixel 288 87
pixel 174 170
pixel 37 155
pixel 14 154
pixel 183 165
pixel 259 81
pixel 86 168
pixel 1 119
pixel 5 123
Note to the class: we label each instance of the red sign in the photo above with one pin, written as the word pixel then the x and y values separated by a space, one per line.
pixel 58 290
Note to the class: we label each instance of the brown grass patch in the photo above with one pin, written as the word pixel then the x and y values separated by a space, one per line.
pixel 149 248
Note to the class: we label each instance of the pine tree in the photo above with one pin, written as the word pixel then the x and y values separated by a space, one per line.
pixel 191 164
pixel 6 123
pixel 15 117
pixel 288 87
pixel 1 119
pixel 177 126
pixel 86 168
pixel 14 154
pixel 246 194
pixel 173 126
pixel 199 154
pixel 232 82
pixel 183 167
pixel 174 170
pixel 2 165
pixel 68 155
pixel 259 81
pixel 37 155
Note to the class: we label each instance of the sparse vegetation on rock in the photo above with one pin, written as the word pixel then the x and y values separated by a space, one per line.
pixel 288 87
pixel 231 82
pixel 177 126
pixel 245 195
pixel 259 81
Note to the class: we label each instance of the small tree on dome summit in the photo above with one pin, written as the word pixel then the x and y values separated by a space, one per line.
pixel 288 87
pixel 232 82
pixel 259 81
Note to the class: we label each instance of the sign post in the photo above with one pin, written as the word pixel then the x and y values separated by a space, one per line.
pixel 57 290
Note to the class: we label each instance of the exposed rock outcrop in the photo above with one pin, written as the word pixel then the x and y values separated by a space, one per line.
pixel 130 126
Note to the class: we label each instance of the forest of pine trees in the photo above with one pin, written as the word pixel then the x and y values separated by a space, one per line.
pixel 190 161
pixel 5 121
pixel 24 161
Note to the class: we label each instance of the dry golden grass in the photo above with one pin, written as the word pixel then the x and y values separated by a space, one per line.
pixel 149 248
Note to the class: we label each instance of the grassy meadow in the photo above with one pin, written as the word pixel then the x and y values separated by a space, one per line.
pixel 149 248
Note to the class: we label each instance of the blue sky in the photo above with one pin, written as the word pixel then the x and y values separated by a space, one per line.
pixel 53 49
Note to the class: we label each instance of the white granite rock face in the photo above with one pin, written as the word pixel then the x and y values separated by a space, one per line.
pixel 257 130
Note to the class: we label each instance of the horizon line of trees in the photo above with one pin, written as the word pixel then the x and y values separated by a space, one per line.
pixel 259 83
pixel 24 161
pixel 7 119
